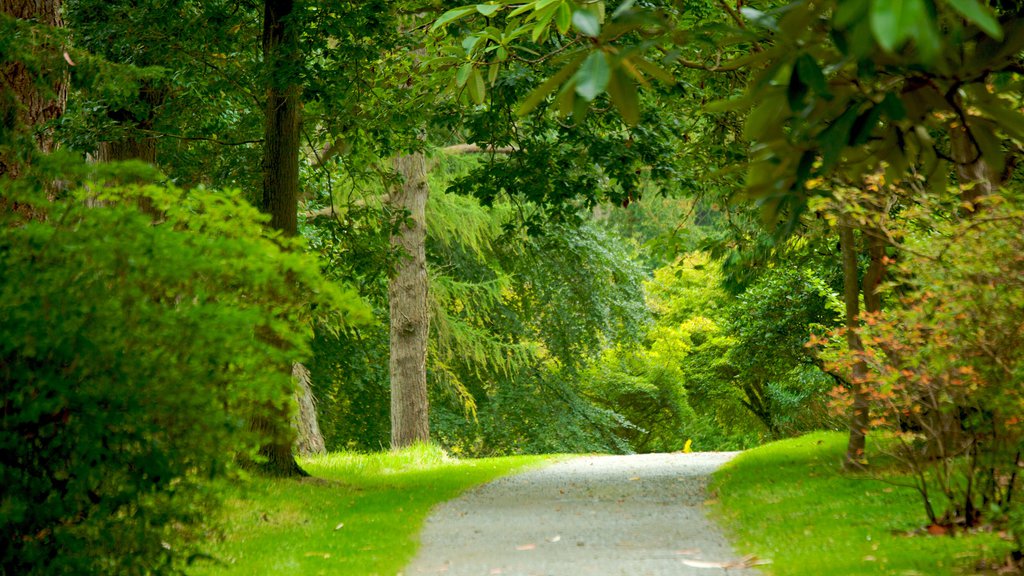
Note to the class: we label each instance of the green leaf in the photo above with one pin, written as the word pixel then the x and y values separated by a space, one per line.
pixel 833 140
pixel 893 22
pixel 653 70
pixel 624 96
pixel 492 74
pixel 522 9
pixel 979 15
pixel 542 91
pixel 849 12
pixel 463 74
pixel 587 23
pixel 811 74
pixel 477 90
pixel 563 18
pixel 796 91
pixel 487 9
pixel 451 16
pixel 765 122
pixel 593 76
pixel 539 30
pixel 1011 121
pixel 622 8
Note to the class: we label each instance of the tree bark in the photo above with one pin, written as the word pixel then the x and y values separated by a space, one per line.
pixel 407 295
pixel 280 190
pixel 281 117
pixel 309 441
pixel 36 106
pixel 859 412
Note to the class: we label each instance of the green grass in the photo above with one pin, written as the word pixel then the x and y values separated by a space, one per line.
pixel 788 502
pixel 359 515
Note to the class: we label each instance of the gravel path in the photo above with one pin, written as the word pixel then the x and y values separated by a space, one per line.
pixel 595 515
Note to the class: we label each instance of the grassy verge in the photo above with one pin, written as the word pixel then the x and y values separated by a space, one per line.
pixel 360 515
pixel 788 502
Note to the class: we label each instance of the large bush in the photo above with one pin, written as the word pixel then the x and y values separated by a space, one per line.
pixel 947 365
pixel 133 352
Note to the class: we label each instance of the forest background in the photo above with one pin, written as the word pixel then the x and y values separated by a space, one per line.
pixel 529 227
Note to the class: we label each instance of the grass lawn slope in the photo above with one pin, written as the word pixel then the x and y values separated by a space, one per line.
pixel 360 515
pixel 788 502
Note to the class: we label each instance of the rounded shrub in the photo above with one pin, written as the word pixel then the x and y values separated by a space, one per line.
pixel 133 351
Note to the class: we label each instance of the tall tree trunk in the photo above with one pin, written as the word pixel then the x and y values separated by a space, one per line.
pixel 859 412
pixel 410 322
pixel 309 441
pixel 33 106
pixel 280 190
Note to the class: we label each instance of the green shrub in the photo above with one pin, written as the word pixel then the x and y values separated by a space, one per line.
pixel 129 366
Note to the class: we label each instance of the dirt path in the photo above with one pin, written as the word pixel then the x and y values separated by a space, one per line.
pixel 595 515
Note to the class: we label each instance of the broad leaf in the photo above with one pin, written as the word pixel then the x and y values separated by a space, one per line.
pixel 451 16
pixel 587 23
pixel 624 96
pixel 477 90
pixel 542 91
pixel 979 15
pixel 563 18
pixel 487 9
pixel 593 76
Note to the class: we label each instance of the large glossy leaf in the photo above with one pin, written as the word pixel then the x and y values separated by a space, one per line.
pixel 833 140
pixel 893 21
pixel 587 23
pixel 487 9
pixel 542 91
pixel 477 89
pixel 622 91
pixel 563 18
pixel 593 76
pixel 979 15
pixel 451 16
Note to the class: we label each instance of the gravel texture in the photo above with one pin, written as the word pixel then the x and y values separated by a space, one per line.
pixel 636 515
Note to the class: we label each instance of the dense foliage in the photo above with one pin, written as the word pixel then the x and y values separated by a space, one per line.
pixel 129 369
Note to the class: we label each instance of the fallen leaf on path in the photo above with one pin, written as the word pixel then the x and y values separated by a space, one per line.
pixel 747 561
pixel 554 538
pixel 634 478
pixel 524 547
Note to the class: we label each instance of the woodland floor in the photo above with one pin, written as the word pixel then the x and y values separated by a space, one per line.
pixel 639 515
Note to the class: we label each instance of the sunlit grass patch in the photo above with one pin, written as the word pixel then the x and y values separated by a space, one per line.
pixel 789 502
pixel 359 515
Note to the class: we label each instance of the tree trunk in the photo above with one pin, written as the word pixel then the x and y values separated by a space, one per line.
pixel 410 322
pixel 32 106
pixel 859 412
pixel 280 190
pixel 309 440
pixel 281 117
pixel 36 106
pixel 976 177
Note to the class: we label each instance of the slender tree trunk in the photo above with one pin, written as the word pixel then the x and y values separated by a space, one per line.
pixel 975 175
pixel 859 412
pixel 309 441
pixel 407 294
pixel 280 190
